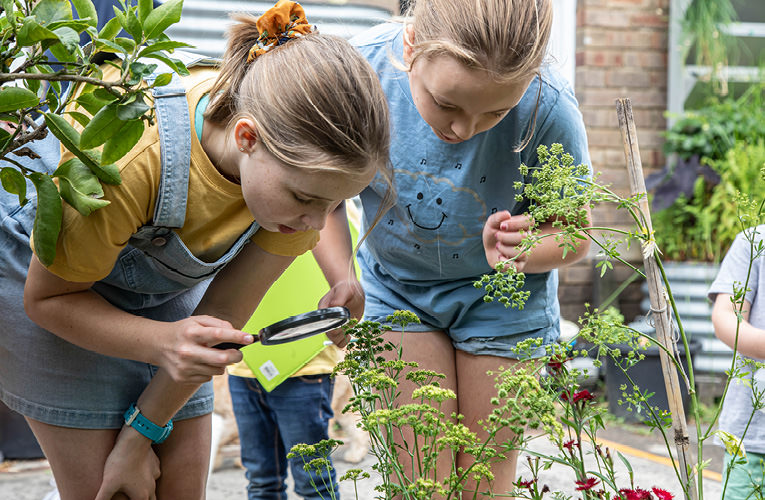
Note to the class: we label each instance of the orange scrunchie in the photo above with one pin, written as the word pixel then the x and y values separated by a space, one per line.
pixel 279 24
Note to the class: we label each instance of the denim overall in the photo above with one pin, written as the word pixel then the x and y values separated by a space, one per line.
pixel 51 380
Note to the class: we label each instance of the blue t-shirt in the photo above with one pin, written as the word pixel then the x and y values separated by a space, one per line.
pixel 445 192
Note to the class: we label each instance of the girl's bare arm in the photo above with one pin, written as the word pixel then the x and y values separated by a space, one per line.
pixel 751 340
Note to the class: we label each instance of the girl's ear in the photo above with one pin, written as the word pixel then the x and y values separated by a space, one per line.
pixel 408 43
pixel 246 135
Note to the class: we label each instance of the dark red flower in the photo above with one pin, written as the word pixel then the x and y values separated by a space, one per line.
pixel 583 395
pixel 524 484
pixel 636 494
pixel 556 363
pixel 588 484
pixel 569 445
pixel 661 494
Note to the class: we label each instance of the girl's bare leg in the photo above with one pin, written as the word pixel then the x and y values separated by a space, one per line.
pixel 432 351
pixel 76 457
pixel 184 459
pixel 475 390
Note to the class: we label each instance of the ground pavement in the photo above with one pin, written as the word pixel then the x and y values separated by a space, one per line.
pixel 645 451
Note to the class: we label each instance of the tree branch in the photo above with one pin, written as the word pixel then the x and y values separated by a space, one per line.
pixel 60 77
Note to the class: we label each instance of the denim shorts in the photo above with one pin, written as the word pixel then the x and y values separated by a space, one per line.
pixel 457 308
pixel 53 381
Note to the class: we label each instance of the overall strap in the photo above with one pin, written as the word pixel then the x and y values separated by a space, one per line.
pixel 174 125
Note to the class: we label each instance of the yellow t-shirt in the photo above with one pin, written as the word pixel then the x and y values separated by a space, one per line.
pixel 216 214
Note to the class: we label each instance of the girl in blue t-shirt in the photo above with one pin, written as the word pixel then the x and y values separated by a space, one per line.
pixel 470 101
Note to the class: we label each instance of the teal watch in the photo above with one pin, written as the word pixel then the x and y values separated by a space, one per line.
pixel 137 421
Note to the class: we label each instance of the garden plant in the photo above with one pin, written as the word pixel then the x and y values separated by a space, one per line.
pixel 544 394
pixel 45 51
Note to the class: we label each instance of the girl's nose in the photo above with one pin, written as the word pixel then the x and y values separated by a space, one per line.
pixel 464 128
pixel 315 220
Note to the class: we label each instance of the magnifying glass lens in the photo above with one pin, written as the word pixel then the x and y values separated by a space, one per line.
pixel 304 330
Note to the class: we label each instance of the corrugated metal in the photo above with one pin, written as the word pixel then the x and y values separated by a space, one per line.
pixel 204 22
pixel 689 283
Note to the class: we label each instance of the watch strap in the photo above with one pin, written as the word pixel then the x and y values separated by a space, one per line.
pixel 135 419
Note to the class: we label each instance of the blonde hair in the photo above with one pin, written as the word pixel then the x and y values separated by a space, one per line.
pixel 315 101
pixel 506 38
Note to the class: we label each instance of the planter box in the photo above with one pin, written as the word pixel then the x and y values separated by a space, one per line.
pixel 647 375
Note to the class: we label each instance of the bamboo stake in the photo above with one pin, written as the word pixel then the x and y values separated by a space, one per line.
pixel 656 292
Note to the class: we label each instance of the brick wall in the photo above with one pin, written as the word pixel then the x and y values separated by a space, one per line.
pixel 621 51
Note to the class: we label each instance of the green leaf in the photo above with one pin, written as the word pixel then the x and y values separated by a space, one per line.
pixel 71 141
pixel 141 69
pixel 127 44
pixel 5 138
pixel 80 187
pixel 69 47
pixel 63 131
pixel 7 7
pixel 13 181
pixel 91 102
pixel 163 16
pixel 80 118
pixel 47 219
pixel 103 125
pixel 86 10
pixel 144 9
pixel 48 11
pixel 120 144
pixel 162 79
pixel 174 64
pixel 108 46
pixel 78 25
pixel 110 29
pixel 133 26
pixel 133 110
pixel 80 176
pixel 162 46
pixel 13 98
pixel 31 32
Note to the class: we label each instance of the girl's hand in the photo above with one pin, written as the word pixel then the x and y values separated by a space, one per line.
pixel 131 468
pixel 190 357
pixel 346 293
pixel 502 235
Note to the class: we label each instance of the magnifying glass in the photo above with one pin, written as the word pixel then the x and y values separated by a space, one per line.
pixel 298 327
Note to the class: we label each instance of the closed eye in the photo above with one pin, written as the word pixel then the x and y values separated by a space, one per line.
pixel 301 200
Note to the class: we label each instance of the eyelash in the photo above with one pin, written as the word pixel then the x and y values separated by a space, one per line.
pixel 452 108
pixel 301 200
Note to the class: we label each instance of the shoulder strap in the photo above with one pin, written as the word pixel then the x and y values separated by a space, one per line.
pixel 174 125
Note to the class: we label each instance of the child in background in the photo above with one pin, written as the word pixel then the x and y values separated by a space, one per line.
pixel 470 101
pixel 126 317
pixel 748 339
pixel 299 408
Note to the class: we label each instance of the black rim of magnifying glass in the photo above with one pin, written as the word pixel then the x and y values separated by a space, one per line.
pixel 340 314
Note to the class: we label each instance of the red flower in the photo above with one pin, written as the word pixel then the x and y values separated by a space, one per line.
pixel 636 494
pixel 661 494
pixel 589 484
pixel 569 445
pixel 583 395
pixel 556 363
pixel 524 484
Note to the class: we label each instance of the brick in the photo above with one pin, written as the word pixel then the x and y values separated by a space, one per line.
pixel 645 59
pixel 606 97
pixel 607 157
pixel 591 77
pixel 576 274
pixel 657 19
pixel 599 117
pixel 631 78
pixel 630 39
pixel 600 58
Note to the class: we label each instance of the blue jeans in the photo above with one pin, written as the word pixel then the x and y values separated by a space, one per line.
pixel 271 423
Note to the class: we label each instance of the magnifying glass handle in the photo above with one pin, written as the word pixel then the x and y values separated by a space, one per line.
pixel 228 345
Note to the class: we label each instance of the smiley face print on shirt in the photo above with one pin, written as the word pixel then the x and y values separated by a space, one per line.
pixel 436 210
